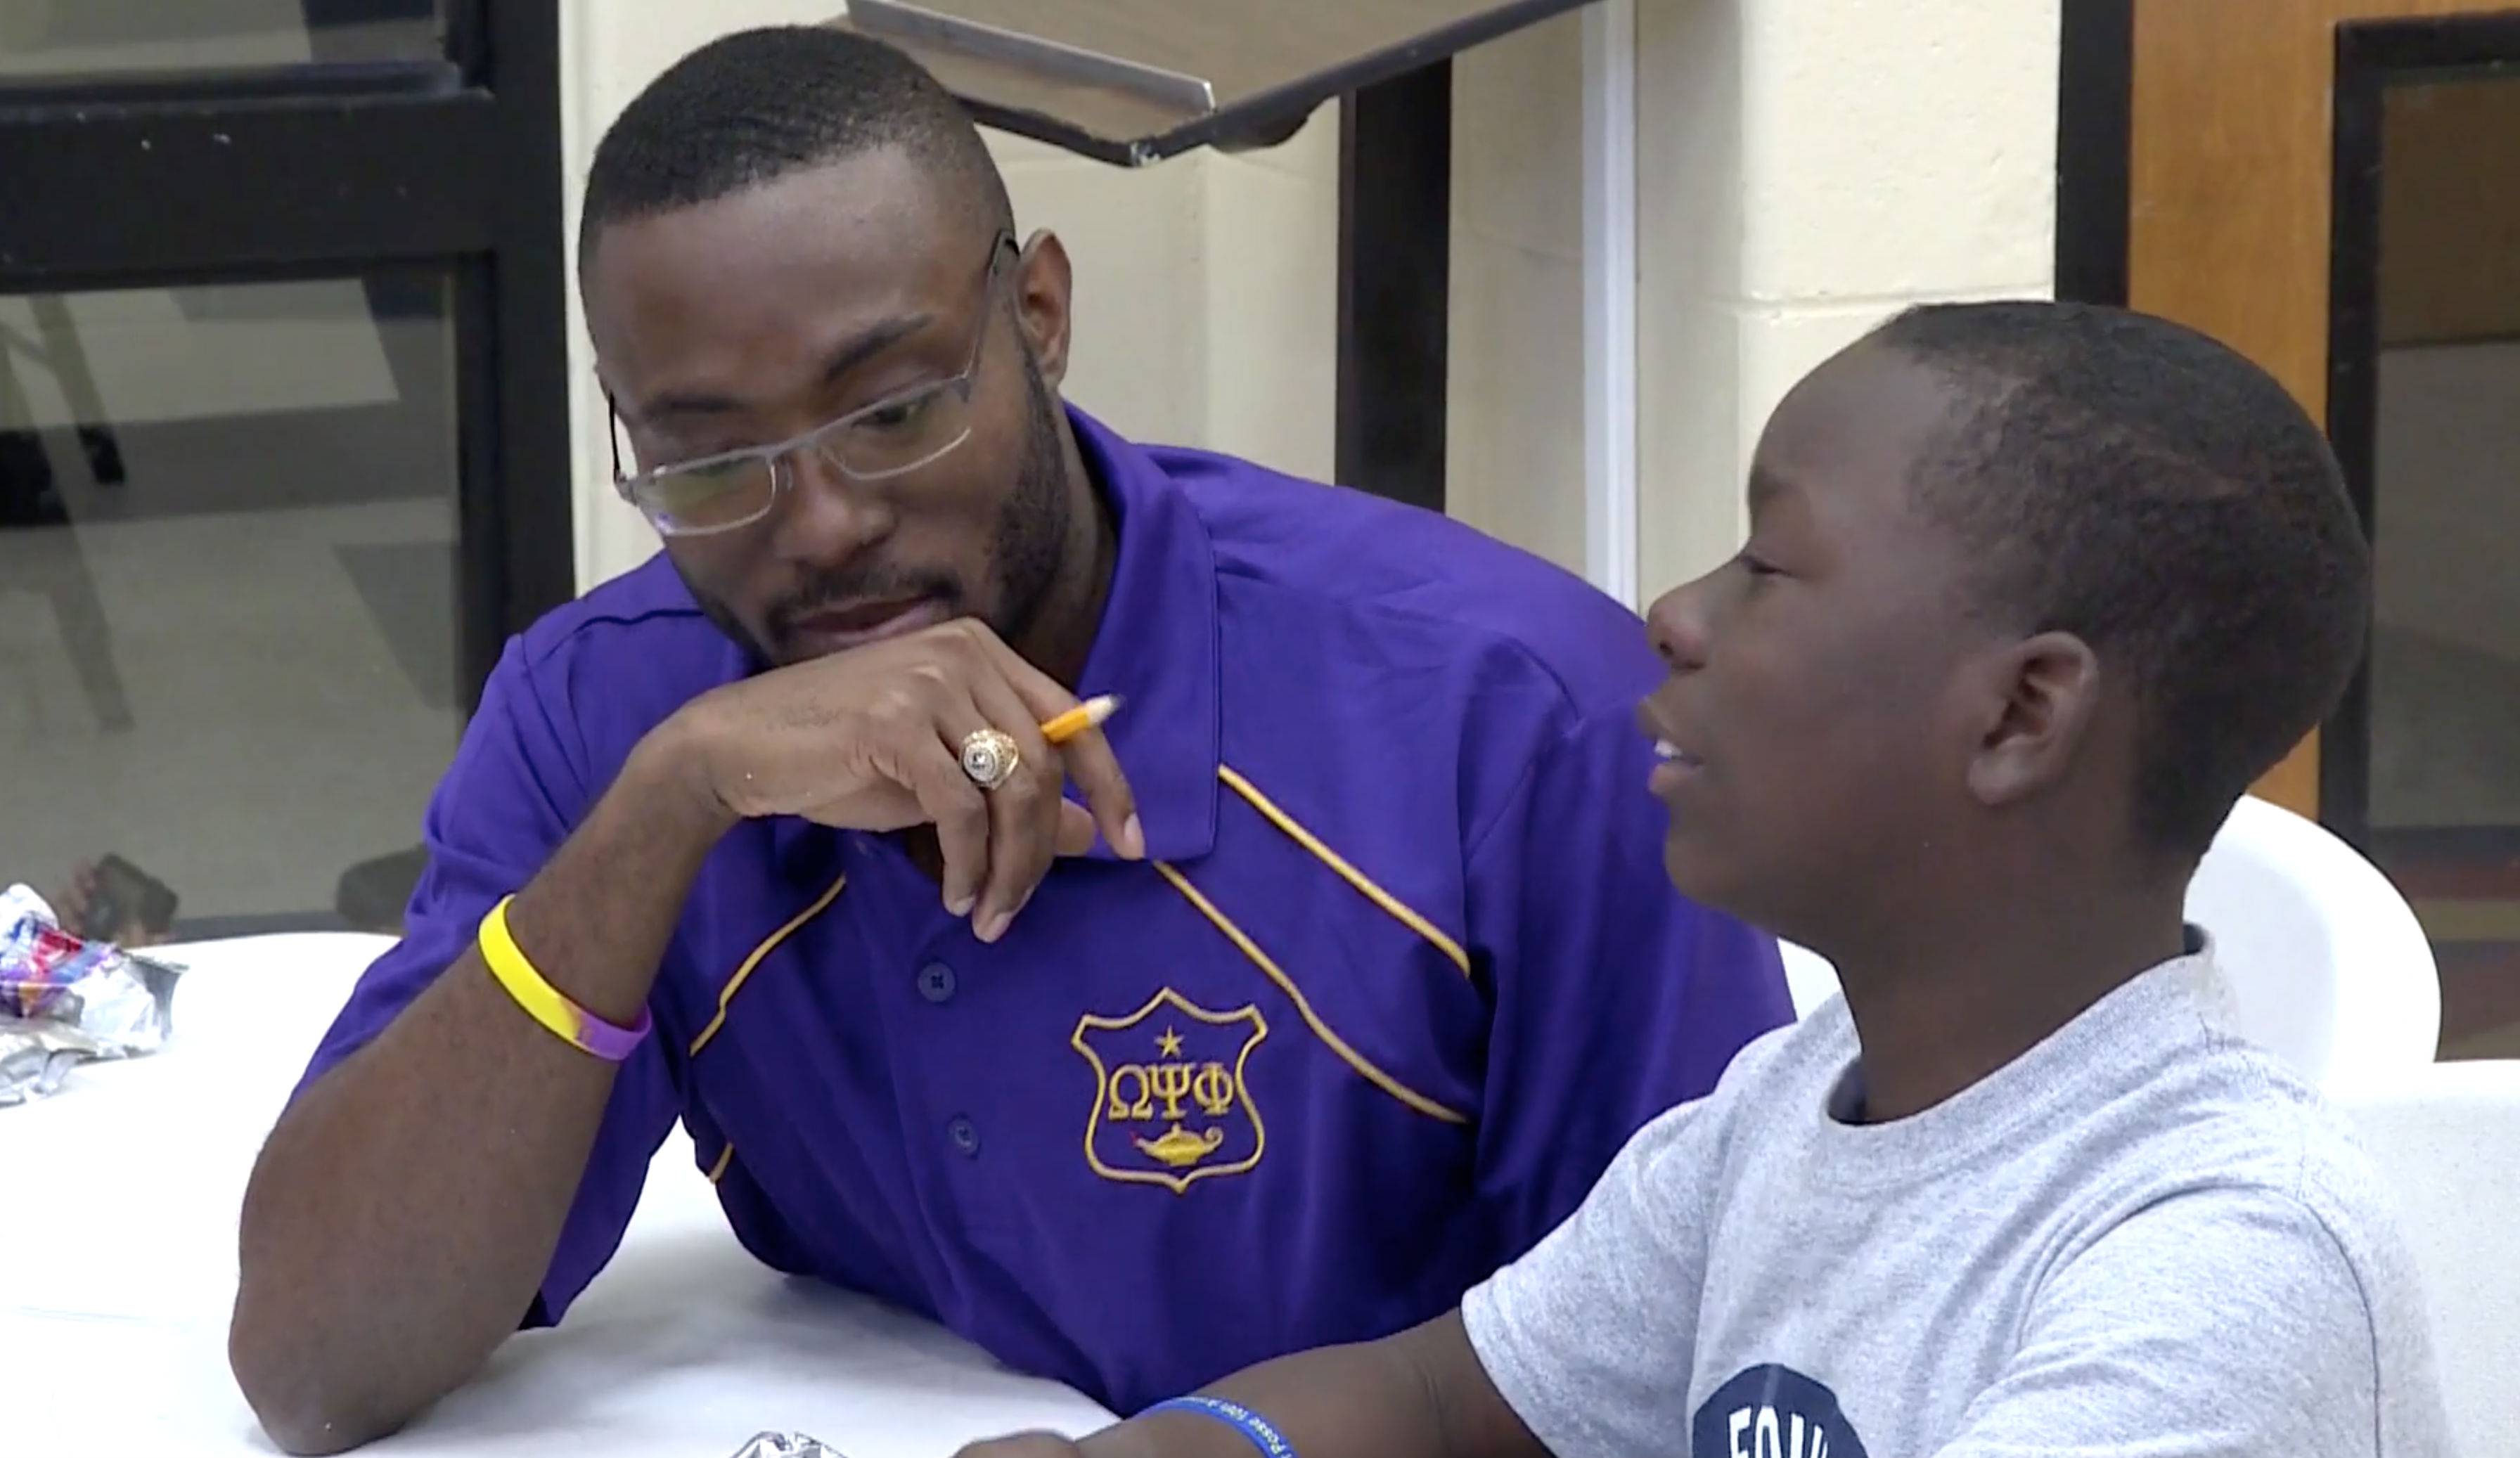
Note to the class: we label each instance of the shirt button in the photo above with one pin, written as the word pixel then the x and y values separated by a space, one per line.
pixel 965 1133
pixel 936 983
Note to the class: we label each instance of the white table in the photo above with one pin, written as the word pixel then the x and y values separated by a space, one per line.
pixel 121 1194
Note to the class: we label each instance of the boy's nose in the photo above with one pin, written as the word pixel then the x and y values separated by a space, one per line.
pixel 1676 626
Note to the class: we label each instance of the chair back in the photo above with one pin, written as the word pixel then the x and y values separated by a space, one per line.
pixel 2329 964
pixel 2447 1138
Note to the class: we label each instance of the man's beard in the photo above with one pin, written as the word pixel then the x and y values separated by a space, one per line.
pixel 1027 546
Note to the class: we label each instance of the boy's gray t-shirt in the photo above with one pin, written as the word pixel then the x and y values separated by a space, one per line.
pixel 2141 1237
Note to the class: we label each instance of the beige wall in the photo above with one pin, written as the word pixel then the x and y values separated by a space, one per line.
pixel 1514 449
pixel 609 50
pixel 1805 169
pixel 1205 310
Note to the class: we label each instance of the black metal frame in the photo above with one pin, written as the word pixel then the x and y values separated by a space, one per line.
pixel 1395 286
pixel 2095 143
pixel 2372 56
pixel 321 170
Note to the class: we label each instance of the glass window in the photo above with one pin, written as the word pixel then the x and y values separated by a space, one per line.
pixel 2444 771
pixel 101 37
pixel 228 635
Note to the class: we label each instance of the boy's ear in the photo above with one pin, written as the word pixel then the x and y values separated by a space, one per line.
pixel 2044 692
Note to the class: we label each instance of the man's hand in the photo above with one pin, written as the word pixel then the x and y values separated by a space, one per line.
pixel 871 739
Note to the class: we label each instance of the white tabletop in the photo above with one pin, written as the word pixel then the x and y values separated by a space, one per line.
pixel 122 1193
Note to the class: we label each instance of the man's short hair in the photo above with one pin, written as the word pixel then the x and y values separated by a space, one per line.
pixel 2135 483
pixel 753 107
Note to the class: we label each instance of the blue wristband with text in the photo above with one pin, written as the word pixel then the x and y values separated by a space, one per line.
pixel 1264 1435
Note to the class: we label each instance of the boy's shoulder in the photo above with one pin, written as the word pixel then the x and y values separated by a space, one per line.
pixel 2220 1111
pixel 2103 1130
pixel 1779 1084
pixel 2239 1179
pixel 2229 1118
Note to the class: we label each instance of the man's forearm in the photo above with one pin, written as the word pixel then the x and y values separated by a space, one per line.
pixel 1419 1394
pixel 402 1214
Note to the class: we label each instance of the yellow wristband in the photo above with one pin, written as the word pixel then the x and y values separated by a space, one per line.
pixel 549 1006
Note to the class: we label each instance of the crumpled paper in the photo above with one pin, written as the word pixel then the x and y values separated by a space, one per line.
pixel 65 1001
pixel 786 1445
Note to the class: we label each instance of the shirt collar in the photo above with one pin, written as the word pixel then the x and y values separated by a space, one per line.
pixel 1156 646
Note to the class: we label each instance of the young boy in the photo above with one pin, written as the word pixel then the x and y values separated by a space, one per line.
pixel 2033 592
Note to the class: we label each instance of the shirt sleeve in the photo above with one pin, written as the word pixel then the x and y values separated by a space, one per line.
pixel 1590 1339
pixel 513 794
pixel 2224 1323
pixel 1615 997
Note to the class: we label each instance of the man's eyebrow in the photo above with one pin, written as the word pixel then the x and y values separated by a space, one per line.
pixel 868 343
pixel 852 352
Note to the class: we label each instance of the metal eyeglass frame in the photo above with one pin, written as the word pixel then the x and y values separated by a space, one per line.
pixel 775 455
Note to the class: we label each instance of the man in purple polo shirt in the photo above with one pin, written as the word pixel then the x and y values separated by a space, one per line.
pixel 1351 973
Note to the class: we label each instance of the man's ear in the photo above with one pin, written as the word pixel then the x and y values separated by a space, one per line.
pixel 1043 291
pixel 2043 693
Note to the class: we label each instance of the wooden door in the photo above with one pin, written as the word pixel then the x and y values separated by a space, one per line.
pixel 2230 185
pixel 2327 185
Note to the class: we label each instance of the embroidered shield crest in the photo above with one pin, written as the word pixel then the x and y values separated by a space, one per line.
pixel 1170 1104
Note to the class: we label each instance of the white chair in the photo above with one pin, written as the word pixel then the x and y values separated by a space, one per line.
pixel 2329 964
pixel 2447 1140
pixel 1809 978
pixel 2325 959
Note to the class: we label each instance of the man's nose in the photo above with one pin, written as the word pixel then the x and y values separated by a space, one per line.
pixel 829 518
pixel 1676 626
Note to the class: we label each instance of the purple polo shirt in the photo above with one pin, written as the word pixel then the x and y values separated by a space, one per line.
pixel 1403 974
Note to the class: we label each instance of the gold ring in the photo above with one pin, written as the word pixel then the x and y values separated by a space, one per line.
pixel 989 757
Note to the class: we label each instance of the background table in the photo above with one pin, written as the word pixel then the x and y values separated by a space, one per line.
pixel 117 1268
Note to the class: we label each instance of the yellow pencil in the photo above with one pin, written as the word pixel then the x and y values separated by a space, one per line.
pixel 1085 715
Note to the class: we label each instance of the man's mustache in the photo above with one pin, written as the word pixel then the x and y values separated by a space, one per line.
pixel 859 587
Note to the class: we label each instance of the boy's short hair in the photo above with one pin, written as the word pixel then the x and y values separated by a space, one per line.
pixel 753 107
pixel 2137 484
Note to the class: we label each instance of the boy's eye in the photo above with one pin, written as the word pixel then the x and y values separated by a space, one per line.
pixel 1756 566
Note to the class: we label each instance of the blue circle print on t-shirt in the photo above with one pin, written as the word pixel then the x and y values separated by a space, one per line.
pixel 1772 1412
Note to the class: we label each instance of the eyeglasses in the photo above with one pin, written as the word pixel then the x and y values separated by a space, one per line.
pixel 892 437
